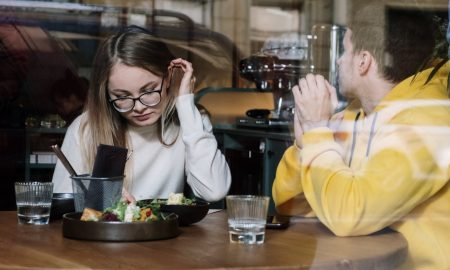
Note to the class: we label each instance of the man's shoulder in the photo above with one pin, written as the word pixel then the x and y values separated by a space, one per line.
pixel 424 112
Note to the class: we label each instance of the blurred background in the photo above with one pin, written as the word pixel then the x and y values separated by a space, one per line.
pixel 247 55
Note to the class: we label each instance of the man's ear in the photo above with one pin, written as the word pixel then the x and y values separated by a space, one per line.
pixel 365 61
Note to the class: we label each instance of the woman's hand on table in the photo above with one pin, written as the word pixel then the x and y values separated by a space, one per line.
pixel 127 196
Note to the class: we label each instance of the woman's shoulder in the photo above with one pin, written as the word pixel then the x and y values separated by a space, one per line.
pixel 82 118
pixel 74 127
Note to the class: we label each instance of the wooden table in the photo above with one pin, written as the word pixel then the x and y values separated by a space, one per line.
pixel 306 244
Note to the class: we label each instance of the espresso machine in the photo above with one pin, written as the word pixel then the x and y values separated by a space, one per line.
pixel 278 66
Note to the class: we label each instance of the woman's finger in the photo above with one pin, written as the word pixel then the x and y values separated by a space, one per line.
pixel 185 65
pixel 187 82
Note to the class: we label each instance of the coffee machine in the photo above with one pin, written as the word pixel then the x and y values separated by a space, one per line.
pixel 272 74
pixel 279 65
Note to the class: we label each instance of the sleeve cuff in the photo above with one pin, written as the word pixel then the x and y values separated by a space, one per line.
pixel 316 142
pixel 317 135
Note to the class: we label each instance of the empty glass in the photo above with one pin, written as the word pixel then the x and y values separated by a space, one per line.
pixel 247 216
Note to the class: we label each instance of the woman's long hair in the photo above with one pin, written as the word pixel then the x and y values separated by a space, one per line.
pixel 133 47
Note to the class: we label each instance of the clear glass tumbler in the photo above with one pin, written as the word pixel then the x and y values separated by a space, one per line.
pixel 247 217
pixel 34 201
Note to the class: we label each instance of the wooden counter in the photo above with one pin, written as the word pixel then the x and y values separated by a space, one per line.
pixel 306 244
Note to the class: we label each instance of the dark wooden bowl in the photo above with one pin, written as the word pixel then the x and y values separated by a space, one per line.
pixel 116 231
pixel 188 214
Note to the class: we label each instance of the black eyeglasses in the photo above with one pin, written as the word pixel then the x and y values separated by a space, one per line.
pixel 149 98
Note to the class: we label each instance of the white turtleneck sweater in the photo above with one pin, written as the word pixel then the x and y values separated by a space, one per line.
pixel 158 170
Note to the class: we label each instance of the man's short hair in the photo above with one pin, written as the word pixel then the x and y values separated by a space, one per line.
pixel 402 44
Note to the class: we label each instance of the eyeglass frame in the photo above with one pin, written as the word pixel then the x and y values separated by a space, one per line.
pixel 138 98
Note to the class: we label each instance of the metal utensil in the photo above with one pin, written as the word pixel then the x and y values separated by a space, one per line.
pixel 64 160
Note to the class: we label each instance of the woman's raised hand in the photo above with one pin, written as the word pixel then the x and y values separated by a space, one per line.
pixel 188 80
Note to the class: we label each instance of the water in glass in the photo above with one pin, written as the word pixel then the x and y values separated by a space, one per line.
pixel 246 231
pixel 33 213
pixel 33 200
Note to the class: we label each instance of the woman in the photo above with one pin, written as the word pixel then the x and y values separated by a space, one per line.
pixel 132 104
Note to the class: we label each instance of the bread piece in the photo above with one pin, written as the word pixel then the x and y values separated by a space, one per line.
pixel 90 214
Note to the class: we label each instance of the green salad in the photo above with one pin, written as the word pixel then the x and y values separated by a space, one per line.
pixel 144 210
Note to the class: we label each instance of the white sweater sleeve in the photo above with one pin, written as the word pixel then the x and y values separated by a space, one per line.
pixel 71 149
pixel 207 171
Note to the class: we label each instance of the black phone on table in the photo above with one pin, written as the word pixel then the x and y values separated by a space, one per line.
pixel 277 222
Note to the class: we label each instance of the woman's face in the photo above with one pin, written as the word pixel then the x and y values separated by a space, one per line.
pixel 126 81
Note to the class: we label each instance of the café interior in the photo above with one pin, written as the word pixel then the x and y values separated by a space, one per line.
pixel 246 54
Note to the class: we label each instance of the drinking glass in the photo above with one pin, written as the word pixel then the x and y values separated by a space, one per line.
pixel 33 200
pixel 247 217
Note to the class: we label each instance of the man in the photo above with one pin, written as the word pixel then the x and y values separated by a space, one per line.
pixel 383 162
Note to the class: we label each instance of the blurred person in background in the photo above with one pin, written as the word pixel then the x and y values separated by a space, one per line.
pixel 134 101
pixel 384 161
pixel 31 61
pixel 15 63
pixel 69 94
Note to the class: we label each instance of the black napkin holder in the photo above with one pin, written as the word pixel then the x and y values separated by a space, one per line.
pixel 109 161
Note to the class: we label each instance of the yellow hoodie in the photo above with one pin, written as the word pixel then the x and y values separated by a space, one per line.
pixel 387 169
